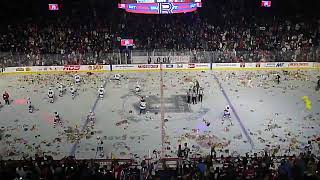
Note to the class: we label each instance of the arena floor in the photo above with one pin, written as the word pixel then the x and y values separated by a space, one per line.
pixel 127 134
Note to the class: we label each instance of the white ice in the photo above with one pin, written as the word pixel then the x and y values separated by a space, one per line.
pixel 126 134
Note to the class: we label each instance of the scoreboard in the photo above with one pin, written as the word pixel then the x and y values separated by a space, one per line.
pixel 158 1
pixel 266 4
pixel 159 6
pixel 55 5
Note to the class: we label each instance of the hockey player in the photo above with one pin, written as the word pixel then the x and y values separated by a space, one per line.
pixel 91 117
pixel 51 95
pixel 189 96
pixel 226 114
pixel 77 79
pixel 61 90
pixel 137 89
pixel 249 84
pixel 30 107
pixel 5 97
pixel 194 97
pixel 196 86
pixel 143 105
pixel 56 119
pixel 72 91
pixel 101 92
pixel 200 94
pixel 278 78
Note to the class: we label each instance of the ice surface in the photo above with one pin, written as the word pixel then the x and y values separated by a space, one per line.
pixel 272 115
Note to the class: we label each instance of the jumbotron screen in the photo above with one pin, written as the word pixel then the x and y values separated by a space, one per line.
pixel 158 1
pixel 160 6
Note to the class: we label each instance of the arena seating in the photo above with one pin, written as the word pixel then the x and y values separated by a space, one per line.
pixel 303 166
pixel 231 36
pixel 225 34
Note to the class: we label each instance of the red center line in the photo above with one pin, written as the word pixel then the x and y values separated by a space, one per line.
pixel 162 114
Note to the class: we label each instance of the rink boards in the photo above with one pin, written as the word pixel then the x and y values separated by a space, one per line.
pixel 158 67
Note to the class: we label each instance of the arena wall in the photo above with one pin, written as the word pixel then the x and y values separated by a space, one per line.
pixel 158 67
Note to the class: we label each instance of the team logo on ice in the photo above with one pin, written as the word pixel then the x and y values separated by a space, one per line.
pixel 173 104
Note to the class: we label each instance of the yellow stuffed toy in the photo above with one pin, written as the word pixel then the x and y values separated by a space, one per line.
pixel 307 103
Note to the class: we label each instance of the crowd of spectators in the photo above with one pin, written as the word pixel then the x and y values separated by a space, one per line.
pixel 71 39
pixel 233 34
pixel 265 167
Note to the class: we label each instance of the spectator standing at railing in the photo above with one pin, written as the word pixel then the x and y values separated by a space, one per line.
pixel 186 150
pixel 2 68
pixel 284 170
pixel 201 168
pixel 318 84
pixel 311 169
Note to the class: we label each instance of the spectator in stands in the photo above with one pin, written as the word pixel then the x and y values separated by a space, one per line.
pixel 186 150
pixel 235 36
pixel 201 167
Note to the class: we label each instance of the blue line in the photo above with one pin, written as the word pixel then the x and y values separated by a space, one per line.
pixel 74 147
pixel 235 113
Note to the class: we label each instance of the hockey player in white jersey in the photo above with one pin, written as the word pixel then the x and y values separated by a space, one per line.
pixel 101 92
pixel 137 89
pixel 51 95
pixel 226 114
pixel 56 119
pixel 30 107
pixel 61 90
pixel 143 105
pixel 77 79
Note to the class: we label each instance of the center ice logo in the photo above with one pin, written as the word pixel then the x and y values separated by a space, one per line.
pixel 173 104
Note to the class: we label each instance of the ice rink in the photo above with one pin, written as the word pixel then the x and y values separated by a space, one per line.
pixel 264 115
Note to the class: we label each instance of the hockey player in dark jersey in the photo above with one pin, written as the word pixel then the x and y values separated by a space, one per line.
pixel 278 79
